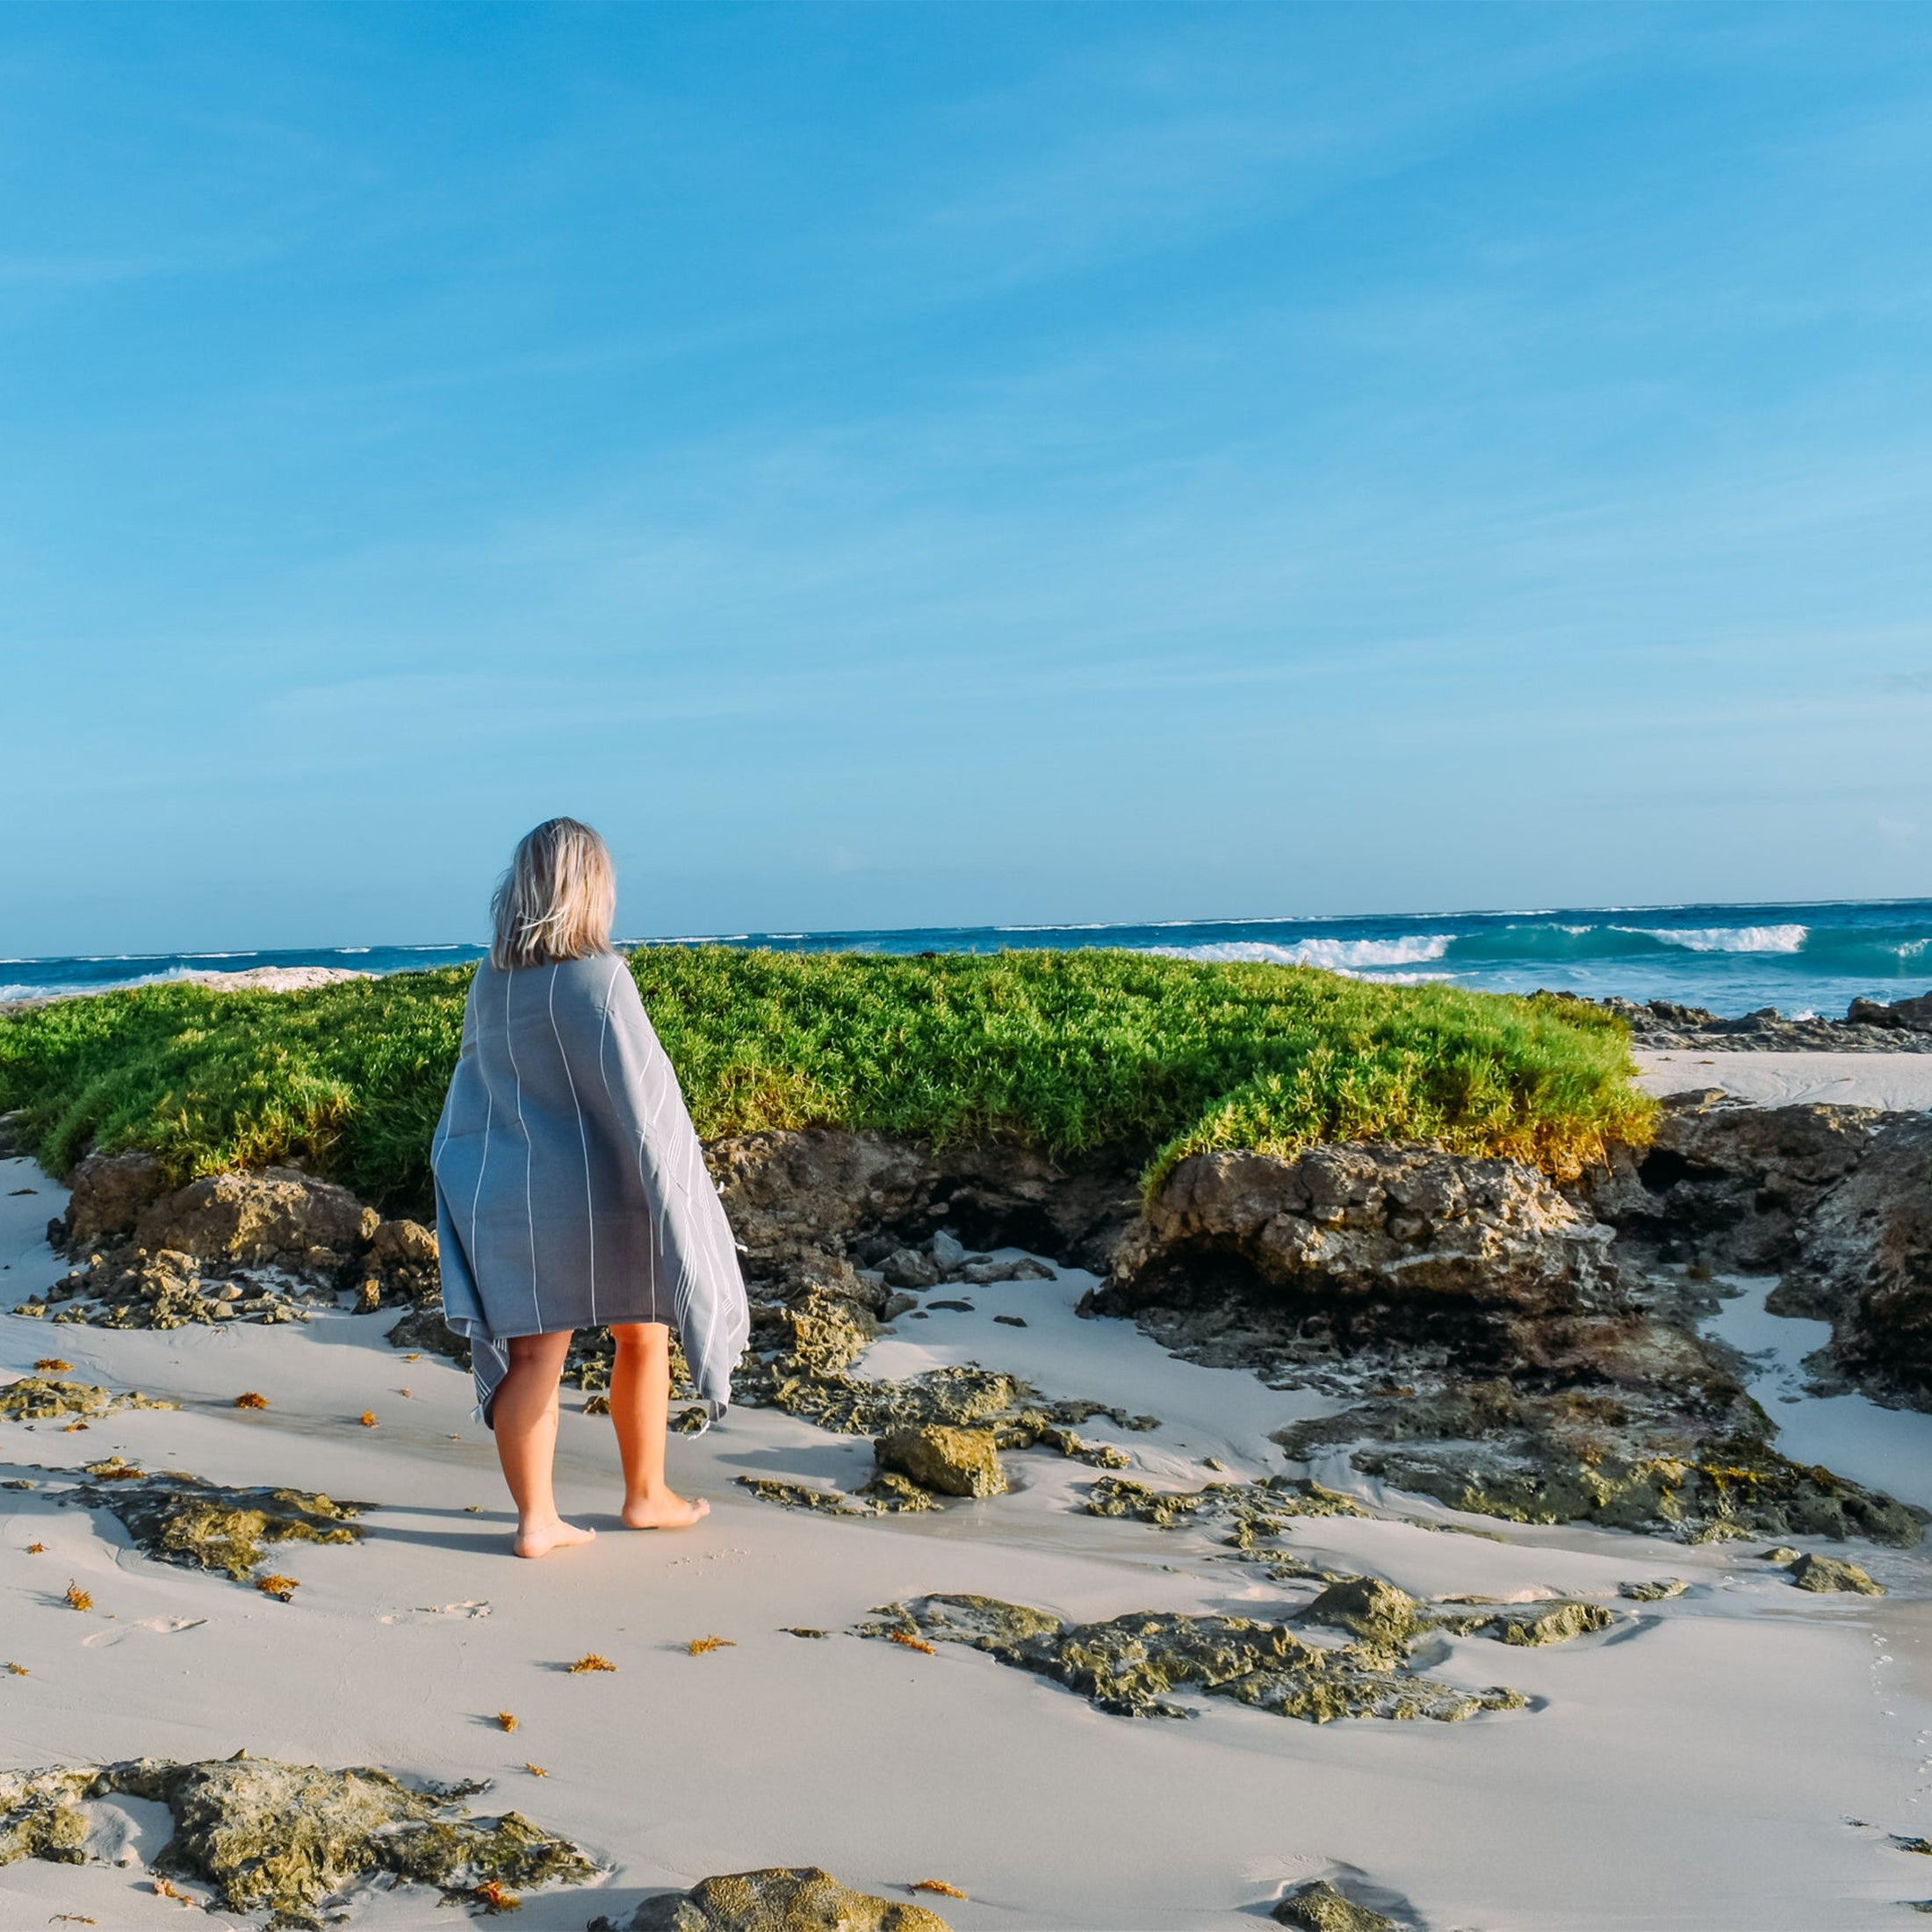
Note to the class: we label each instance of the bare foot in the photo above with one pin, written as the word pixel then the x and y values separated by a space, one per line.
pixel 664 1511
pixel 540 1539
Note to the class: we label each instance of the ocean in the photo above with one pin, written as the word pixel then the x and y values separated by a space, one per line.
pixel 1733 959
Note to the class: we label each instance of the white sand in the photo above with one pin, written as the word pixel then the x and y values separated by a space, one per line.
pixel 1696 1768
pixel 1898 1082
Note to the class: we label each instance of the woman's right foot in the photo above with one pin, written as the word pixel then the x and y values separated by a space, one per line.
pixel 540 1539
pixel 665 1510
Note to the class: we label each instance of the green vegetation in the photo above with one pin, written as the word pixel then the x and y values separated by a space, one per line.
pixel 1069 1050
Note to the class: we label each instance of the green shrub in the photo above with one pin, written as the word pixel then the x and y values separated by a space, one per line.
pixel 1070 1051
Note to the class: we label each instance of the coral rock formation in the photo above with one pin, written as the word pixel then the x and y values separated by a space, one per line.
pixel 779 1899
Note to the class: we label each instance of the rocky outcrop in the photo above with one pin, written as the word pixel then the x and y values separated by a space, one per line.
pixel 1864 1264
pixel 954 1461
pixel 780 1899
pixel 44 1398
pixel 1132 1665
pixel 278 1215
pixel 227 1247
pixel 109 1191
pixel 1676 1461
pixel 1318 1906
pixel 797 1197
pixel 1374 1221
pixel 1868 1026
pixel 179 1518
pixel 1830 1573
pixel 1838 1198
pixel 287 1839
pixel 1729 1186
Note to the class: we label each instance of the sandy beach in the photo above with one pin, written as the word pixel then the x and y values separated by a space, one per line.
pixel 1737 1755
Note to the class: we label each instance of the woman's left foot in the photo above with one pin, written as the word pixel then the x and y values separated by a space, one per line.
pixel 667 1511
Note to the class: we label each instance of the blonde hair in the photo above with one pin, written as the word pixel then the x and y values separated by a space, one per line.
pixel 558 899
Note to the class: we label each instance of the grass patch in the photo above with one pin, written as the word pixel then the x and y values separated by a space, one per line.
pixel 1070 1051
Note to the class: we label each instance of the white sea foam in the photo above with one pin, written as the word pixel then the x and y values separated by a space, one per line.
pixel 1730 938
pixel 1338 956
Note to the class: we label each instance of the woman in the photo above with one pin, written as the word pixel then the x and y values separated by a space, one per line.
pixel 572 1193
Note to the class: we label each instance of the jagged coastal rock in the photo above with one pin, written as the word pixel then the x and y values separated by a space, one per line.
pixel 288 1839
pixel 1839 1199
pixel 1132 1665
pixel 1870 1025
pixel 779 1899
pixel 250 1246
pixel 1381 1222
pixel 1319 1908
pixel 180 1518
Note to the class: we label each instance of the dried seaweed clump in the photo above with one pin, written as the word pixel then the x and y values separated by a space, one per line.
pixel 798 1898
pixel 1570 1457
pixel 288 1840
pixel 1130 1664
pixel 42 1398
pixel 179 1518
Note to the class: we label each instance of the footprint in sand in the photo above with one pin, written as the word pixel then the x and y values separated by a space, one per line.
pixel 425 1613
pixel 159 1627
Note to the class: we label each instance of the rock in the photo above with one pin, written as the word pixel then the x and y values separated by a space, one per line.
pixel 1654 1591
pixel 109 1192
pixel 790 1194
pixel 1727 1185
pixel 288 1839
pixel 948 1252
pixel 1320 1908
pixel 179 1518
pixel 1864 1264
pixel 798 1898
pixel 954 1461
pixel 40 1398
pixel 1130 1665
pixel 1367 1608
pixel 1914 1015
pixel 277 1215
pixel 908 1268
pixel 1530 1626
pixel 1640 1451
pixel 402 1259
pixel 1829 1573
pixel 1375 1221
pixel 1780 1554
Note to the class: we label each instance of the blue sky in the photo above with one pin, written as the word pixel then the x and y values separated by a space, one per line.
pixel 930 463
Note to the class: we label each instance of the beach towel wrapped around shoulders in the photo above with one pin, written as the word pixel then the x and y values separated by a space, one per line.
pixel 571 1186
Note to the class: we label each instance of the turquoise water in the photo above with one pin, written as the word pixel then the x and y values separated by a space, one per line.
pixel 1801 959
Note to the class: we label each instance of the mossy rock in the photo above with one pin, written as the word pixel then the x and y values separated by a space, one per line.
pixel 179 1518
pixel 1654 1591
pixel 1320 1908
pixel 286 1839
pixel 41 1815
pixel 779 1899
pixel 1829 1573
pixel 45 1398
pixel 1131 1665
pixel 954 1461
pixel 1368 1609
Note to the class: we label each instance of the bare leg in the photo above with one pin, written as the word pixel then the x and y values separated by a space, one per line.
pixel 525 1415
pixel 640 1401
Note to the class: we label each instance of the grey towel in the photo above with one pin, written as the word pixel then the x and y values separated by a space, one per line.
pixel 571 1186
